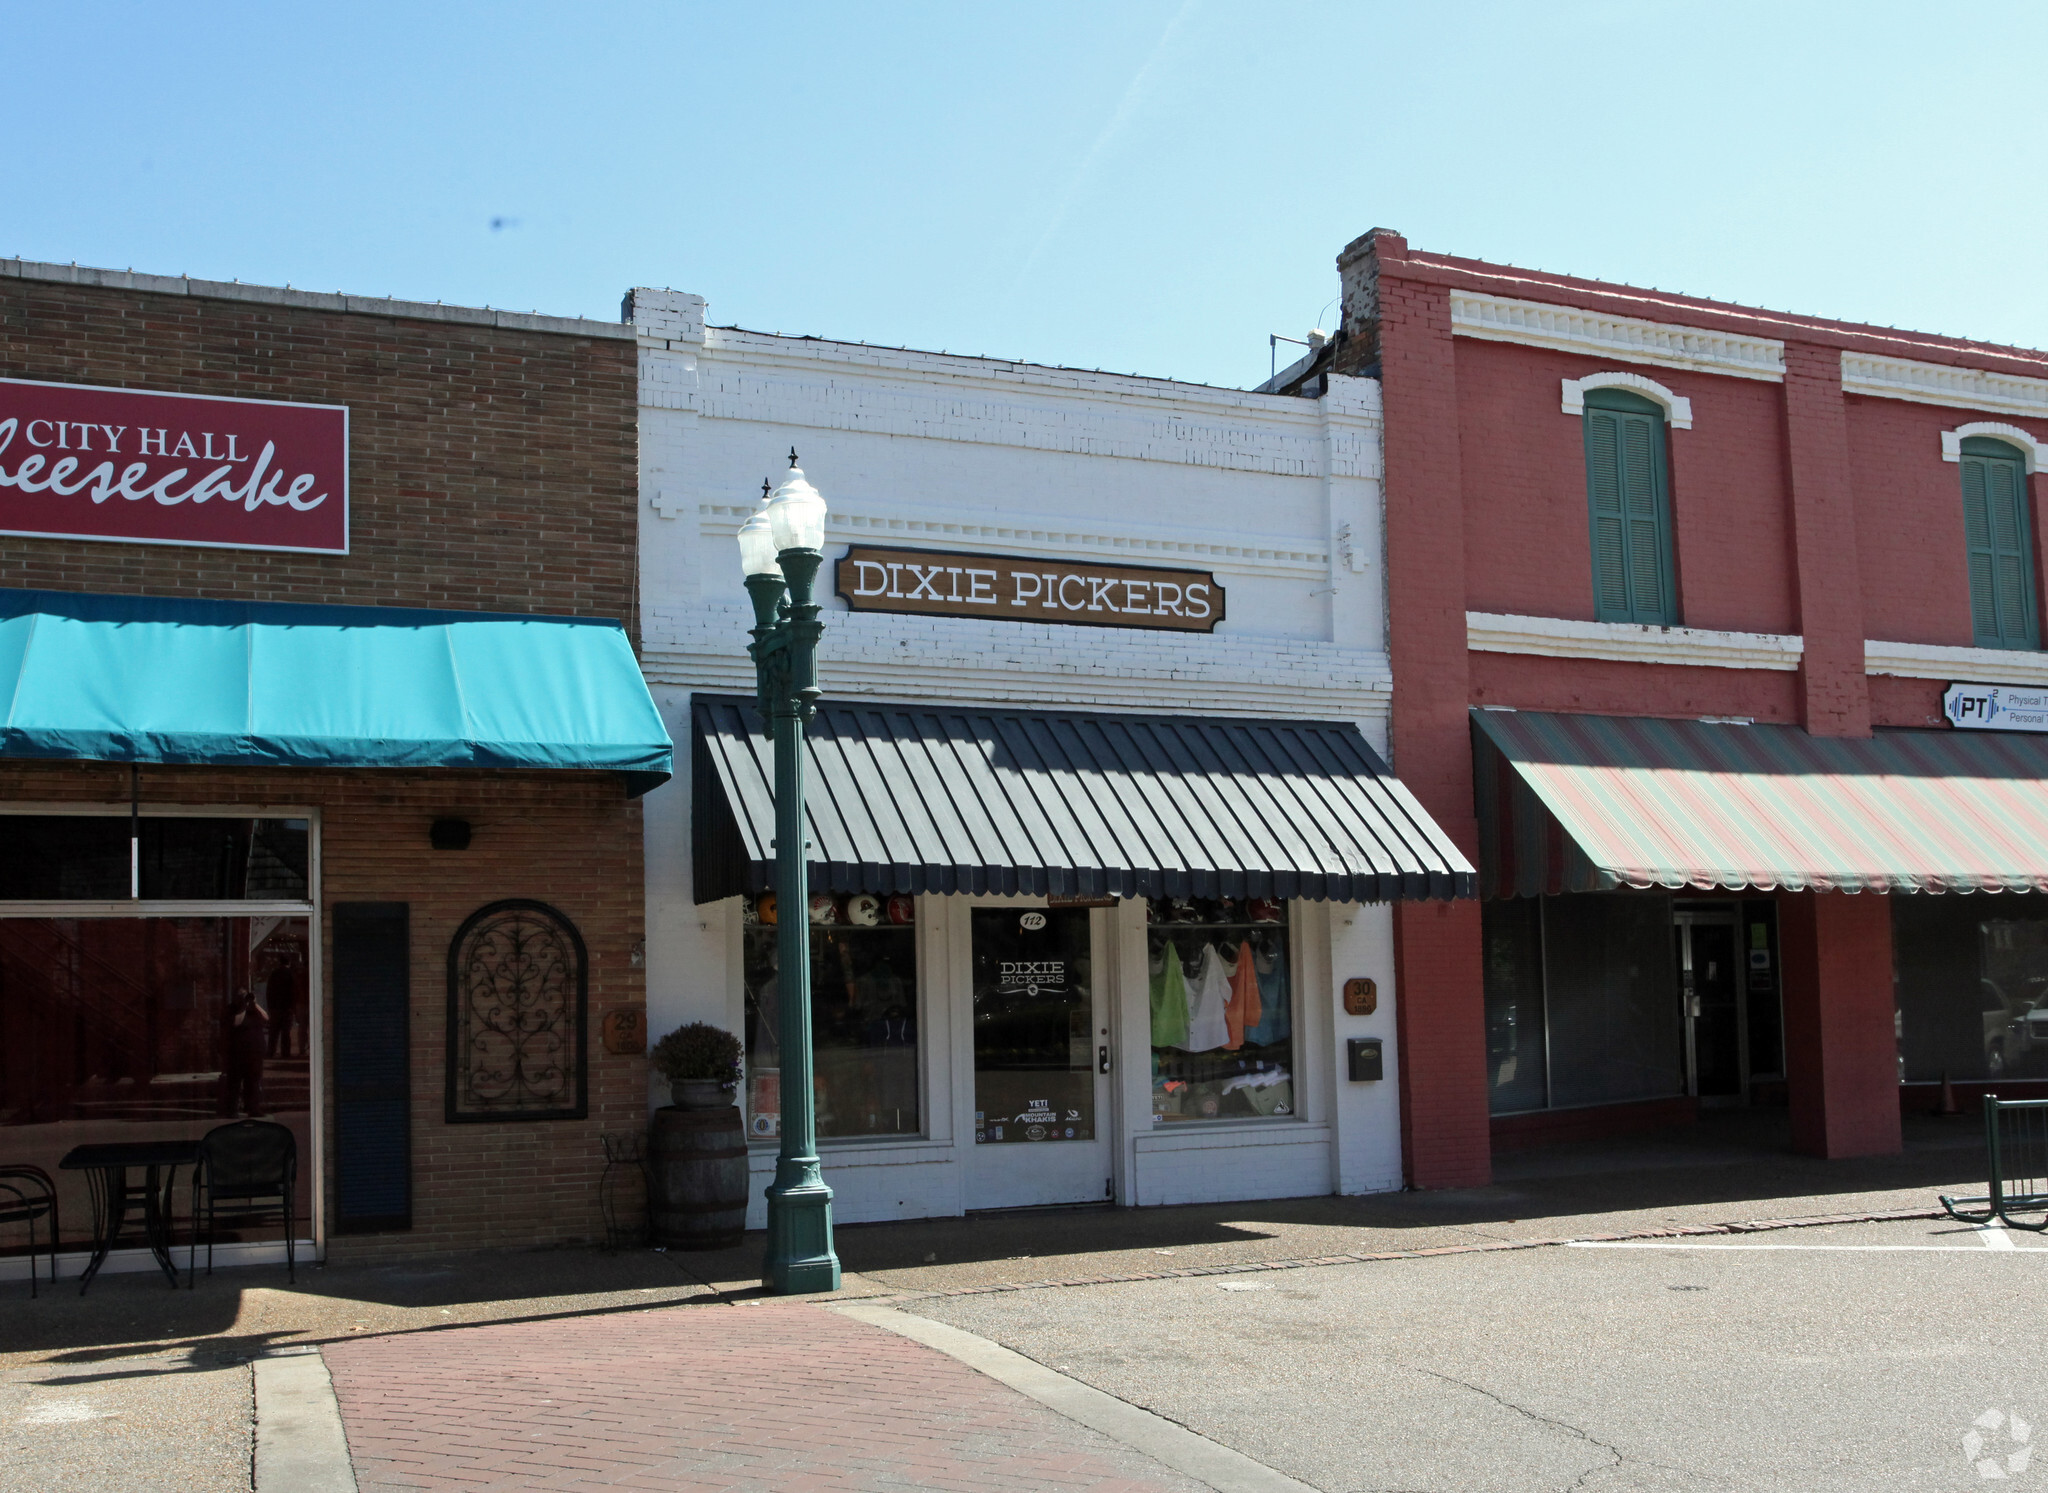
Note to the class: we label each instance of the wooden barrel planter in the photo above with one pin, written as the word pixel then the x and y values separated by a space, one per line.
pixel 697 1177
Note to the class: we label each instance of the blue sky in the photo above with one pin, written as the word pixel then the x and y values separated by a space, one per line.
pixel 1147 186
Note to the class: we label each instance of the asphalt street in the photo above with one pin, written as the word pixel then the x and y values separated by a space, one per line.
pixel 1855 1357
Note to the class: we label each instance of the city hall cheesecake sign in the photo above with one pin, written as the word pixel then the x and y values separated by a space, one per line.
pixel 1011 588
pixel 79 462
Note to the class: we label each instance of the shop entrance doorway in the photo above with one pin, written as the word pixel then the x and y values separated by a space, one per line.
pixel 1710 989
pixel 1041 1054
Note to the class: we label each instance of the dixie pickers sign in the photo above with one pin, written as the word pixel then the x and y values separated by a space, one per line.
pixel 1010 588
pixel 79 462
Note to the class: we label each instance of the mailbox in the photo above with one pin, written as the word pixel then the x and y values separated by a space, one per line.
pixel 1364 1056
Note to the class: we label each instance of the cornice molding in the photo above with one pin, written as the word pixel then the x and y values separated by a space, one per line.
pixel 1595 334
pixel 2029 446
pixel 1967 665
pixel 1940 383
pixel 751 376
pixel 1629 642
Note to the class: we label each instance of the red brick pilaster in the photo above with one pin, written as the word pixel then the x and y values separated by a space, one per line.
pixel 1405 325
pixel 1836 694
pixel 1841 1058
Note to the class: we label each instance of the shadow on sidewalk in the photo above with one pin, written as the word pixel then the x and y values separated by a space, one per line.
pixel 1731 1166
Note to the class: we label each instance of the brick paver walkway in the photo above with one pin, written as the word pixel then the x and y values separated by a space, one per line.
pixel 754 1399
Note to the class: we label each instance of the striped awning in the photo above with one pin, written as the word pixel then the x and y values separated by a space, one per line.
pixel 912 798
pixel 1591 802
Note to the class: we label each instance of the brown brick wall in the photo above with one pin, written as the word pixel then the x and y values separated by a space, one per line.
pixel 491 468
pixel 570 839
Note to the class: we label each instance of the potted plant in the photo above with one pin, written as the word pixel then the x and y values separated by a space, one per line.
pixel 701 1063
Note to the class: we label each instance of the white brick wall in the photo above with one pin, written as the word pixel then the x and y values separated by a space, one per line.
pixel 1280 497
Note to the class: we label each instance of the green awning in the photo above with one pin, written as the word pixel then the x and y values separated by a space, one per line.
pixel 1592 802
pixel 255 684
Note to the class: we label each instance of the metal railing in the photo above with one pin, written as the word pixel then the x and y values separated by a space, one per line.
pixel 2016 1151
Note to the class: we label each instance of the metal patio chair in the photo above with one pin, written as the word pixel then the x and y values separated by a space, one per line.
pixel 26 1195
pixel 248 1172
pixel 2016 1148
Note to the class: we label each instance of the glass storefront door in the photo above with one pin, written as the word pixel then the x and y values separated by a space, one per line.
pixel 1041 1043
pixel 1710 987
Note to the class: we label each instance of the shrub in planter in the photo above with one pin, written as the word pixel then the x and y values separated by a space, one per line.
pixel 701 1063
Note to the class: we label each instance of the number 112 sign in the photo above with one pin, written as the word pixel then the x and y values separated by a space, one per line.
pixel 142 467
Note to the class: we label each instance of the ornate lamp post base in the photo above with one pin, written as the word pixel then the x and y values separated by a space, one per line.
pixel 800 1256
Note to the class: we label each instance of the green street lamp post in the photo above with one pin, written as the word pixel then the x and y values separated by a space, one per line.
pixel 782 544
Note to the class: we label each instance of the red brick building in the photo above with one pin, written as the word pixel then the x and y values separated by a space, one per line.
pixel 300 796
pixel 1676 589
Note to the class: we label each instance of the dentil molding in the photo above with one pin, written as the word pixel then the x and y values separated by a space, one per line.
pixel 1571 329
pixel 1938 383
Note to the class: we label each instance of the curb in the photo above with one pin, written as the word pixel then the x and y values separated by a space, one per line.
pixel 1674 1231
pixel 300 1444
pixel 1164 1441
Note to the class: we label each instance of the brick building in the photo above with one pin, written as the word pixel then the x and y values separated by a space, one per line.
pixel 1692 608
pixel 361 738
pixel 1105 684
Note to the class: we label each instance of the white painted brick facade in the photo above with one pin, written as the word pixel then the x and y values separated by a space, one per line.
pixel 1279 496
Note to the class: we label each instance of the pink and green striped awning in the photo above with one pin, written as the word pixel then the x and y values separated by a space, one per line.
pixel 1594 802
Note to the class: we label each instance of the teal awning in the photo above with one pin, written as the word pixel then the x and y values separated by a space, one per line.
pixel 256 684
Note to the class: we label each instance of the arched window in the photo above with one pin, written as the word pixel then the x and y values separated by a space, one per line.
pixel 2001 544
pixel 518 996
pixel 1629 503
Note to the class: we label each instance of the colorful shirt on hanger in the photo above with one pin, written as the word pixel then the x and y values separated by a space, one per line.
pixel 1208 1027
pixel 1170 1002
pixel 1276 1023
pixel 1244 1010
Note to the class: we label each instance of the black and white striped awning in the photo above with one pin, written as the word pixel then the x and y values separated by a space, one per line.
pixel 918 798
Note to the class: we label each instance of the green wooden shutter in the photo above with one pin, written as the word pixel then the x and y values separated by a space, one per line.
pixel 2000 544
pixel 1629 509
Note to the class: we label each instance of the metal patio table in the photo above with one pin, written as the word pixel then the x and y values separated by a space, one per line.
pixel 106 1166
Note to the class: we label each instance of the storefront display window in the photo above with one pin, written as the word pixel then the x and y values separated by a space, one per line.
pixel 863 1016
pixel 1972 991
pixel 1517 1063
pixel 1610 988
pixel 117 1027
pixel 1222 1009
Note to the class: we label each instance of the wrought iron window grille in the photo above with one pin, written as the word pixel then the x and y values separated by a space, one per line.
pixel 518 1004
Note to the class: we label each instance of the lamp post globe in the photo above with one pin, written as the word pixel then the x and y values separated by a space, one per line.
pixel 796 514
pixel 782 545
pixel 757 546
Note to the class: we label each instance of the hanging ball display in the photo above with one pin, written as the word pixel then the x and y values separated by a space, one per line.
pixel 863 910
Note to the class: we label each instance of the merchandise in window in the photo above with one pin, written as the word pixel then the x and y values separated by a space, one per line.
pixel 1222 1009
pixel 863 1016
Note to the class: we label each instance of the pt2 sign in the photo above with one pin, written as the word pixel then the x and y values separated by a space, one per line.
pixel 1995 707
pixel 140 467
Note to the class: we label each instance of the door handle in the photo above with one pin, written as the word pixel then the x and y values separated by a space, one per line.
pixel 1102 1059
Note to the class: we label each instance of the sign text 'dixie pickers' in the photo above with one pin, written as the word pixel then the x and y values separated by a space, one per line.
pixel 1024 589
